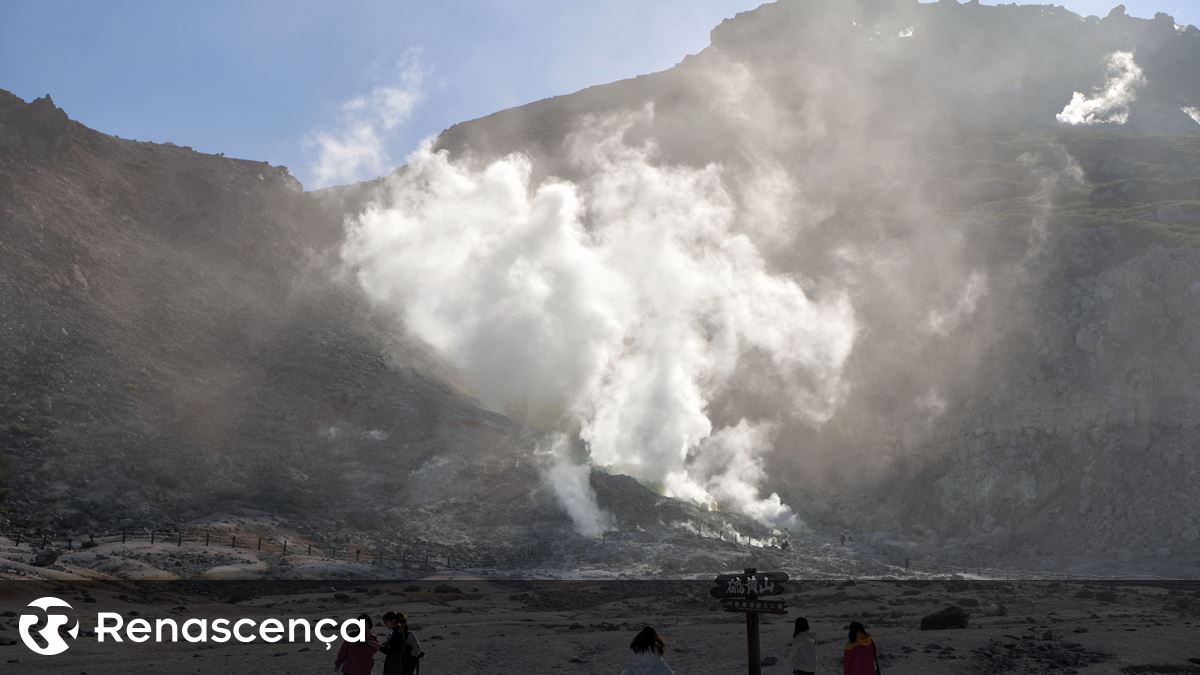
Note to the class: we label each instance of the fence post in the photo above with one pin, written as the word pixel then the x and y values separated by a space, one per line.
pixel 18 539
pixel 260 543
pixel 233 542
pixel 179 540
pixel 70 544
pixel 448 561
pixel 206 534
pixel 285 546
pixel 151 537
pixel 43 541
pixel 122 536
pixel 357 552
pixel 310 549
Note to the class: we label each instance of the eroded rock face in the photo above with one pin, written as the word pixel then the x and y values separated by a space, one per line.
pixel 45 558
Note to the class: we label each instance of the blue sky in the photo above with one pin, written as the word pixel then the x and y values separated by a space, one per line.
pixel 265 79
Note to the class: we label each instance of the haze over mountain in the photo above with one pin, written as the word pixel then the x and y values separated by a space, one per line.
pixel 924 271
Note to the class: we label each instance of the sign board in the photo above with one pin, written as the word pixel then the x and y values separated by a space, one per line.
pixel 749 585
pixel 740 593
pixel 754 606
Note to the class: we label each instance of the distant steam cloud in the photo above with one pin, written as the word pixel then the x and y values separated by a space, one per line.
pixel 622 304
pixel 1192 112
pixel 1109 105
pixel 942 322
pixel 356 150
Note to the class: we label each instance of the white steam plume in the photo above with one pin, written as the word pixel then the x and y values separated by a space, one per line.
pixel 1109 105
pixel 1192 112
pixel 356 150
pixel 572 486
pixel 625 302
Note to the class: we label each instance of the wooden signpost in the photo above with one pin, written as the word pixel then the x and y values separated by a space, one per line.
pixel 741 593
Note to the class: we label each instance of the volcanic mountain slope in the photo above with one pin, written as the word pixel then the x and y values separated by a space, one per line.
pixel 1025 377
pixel 174 342
pixel 177 340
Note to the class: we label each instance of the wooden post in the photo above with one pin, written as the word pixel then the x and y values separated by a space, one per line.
pixel 310 549
pixel 753 650
pixel 151 537
pixel 122 536
pixel 179 538
pixel 260 543
pixel 357 552
pixel 206 535
pixel 285 546
pixel 70 544
pixel 18 539
pixel 44 541
pixel 233 541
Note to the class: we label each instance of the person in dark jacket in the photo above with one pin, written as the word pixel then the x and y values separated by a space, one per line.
pixel 648 649
pixel 358 658
pixel 402 650
pixel 859 656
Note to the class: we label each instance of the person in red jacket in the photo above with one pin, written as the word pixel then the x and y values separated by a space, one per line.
pixel 358 658
pixel 859 656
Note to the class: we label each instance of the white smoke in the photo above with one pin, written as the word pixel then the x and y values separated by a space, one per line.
pixel 356 150
pixel 623 303
pixel 572 486
pixel 1109 105
pixel 1192 112
pixel 943 322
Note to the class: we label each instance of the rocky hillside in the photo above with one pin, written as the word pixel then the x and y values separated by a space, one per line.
pixel 1025 378
pixel 175 342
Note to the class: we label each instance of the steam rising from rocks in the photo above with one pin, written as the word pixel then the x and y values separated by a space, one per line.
pixel 1109 105
pixel 618 305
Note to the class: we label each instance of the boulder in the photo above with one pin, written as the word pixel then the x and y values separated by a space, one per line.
pixel 45 557
pixel 951 617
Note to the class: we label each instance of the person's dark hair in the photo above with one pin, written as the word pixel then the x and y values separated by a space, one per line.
pixel 801 626
pixel 366 618
pixel 855 628
pixel 648 640
pixel 389 616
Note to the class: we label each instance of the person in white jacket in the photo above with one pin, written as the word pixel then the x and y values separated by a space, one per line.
pixel 648 649
pixel 802 650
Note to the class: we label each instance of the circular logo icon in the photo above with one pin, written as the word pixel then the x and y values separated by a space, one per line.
pixel 51 635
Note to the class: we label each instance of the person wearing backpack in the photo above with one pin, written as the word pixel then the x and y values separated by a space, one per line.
pixel 402 651
pixel 860 656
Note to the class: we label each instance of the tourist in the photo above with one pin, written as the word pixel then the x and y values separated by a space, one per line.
pixel 358 658
pixel 648 649
pixel 859 656
pixel 802 649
